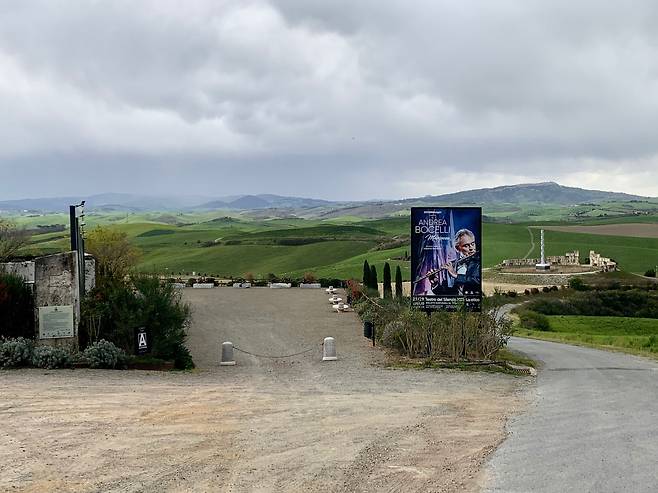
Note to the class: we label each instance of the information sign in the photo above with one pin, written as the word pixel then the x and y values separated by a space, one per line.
pixel 56 322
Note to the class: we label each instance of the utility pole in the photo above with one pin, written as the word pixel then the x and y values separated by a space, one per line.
pixel 77 224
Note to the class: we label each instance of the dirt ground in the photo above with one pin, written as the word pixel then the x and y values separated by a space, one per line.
pixel 290 424
pixel 638 230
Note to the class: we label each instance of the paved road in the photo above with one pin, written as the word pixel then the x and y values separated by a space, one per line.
pixel 592 426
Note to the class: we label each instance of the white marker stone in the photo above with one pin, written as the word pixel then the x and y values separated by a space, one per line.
pixel 227 354
pixel 329 349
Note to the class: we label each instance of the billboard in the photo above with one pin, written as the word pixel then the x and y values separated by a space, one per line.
pixel 446 260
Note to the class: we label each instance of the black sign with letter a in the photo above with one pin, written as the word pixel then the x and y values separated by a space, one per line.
pixel 141 341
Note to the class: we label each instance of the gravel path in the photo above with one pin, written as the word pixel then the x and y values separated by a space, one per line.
pixel 292 424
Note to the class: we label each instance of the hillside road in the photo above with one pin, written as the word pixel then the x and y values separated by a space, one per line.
pixel 591 425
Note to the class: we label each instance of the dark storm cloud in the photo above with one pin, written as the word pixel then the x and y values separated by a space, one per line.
pixel 286 96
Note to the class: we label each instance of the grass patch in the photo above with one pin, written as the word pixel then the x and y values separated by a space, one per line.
pixel 631 335
pixel 515 357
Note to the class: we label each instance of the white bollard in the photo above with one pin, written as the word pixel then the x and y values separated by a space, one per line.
pixel 329 349
pixel 227 354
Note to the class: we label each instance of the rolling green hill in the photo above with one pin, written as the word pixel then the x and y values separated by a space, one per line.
pixel 231 245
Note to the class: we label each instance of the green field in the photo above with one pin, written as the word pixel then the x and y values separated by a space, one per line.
pixel 634 335
pixel 231 245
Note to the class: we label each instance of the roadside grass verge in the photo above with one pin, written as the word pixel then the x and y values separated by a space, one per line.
pixel 637 336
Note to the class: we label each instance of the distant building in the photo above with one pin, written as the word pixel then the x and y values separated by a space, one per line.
pixel 604 264
pixel 569 258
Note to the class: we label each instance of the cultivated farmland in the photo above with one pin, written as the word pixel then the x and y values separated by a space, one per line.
pixel 231 246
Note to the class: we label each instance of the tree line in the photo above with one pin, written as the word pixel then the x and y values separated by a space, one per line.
pixel 370 280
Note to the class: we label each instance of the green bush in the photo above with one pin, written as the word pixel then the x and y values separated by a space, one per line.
pixel 16 307
pixel 51 357
pixel 104 354
pixel 15 352
pixel 578 284
pixel 114 309
pixel 650 273
pixel 611 303
pixel 534 321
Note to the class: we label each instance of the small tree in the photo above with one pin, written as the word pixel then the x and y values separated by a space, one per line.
pixel 12 239
pixel 398 283
pixel 366 274
pixel 388 292
pixel 374 283
pixel 650 273
pixel 249 277
pixel 309 277
pixel 115 256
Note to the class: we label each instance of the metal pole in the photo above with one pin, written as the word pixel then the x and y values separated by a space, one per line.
pixel 74 228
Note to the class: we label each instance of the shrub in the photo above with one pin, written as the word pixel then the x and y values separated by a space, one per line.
pixel 166 318
pixel 51 357
pixel 546 289
pixel 578 284
pixel 393 335
pixel 16 307
pixel 526 292
pixel 113 311
pixel 398 283
pixel 554 288
pixel 511 294
pixel 309 277
pixel 534 291
pixel 104 354
pixel 456 335
pixel 374 282
pixel 650 273
pixel 15 352
pixel 534 321
pixel 388 290
pixel 354 290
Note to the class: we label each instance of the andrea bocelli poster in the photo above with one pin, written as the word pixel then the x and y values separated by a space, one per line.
pixel 446 260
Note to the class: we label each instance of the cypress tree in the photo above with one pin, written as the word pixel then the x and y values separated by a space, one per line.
pixel 398 283
pixel 388 292
pixel 374 283
pixel 366 274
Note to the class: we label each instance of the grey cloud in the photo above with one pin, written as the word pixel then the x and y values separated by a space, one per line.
pixel 276 92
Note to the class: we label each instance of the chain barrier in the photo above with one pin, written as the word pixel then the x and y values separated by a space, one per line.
pixel 275 357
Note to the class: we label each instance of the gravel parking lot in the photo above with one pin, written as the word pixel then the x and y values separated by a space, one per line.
pixel 289 424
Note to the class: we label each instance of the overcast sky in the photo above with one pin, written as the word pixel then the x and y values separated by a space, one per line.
pixel 331 99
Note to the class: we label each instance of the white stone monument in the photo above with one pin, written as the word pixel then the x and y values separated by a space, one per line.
pixel 542 265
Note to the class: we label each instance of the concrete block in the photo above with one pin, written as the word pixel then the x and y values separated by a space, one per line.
pixel 329 349
pixel 227 354
pixel 280 285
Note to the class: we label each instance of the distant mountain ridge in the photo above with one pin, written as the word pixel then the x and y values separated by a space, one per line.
pixel 527 193
pixel 107 202
pixel 545 193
